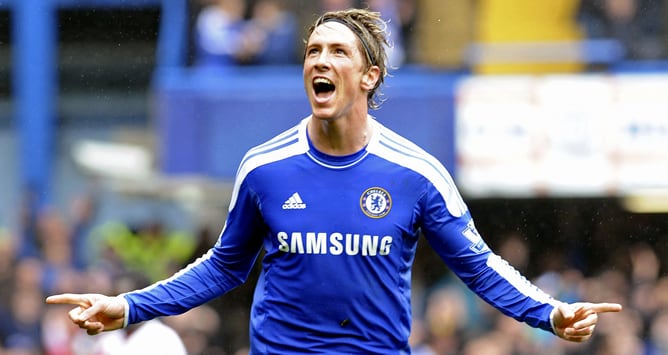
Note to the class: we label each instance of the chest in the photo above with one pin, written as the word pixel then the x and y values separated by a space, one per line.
pixel 378 201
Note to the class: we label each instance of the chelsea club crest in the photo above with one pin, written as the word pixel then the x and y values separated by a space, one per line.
pixel 376 202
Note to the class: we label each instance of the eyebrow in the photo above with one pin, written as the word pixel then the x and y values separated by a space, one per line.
pixel 331 44
pixel 356 31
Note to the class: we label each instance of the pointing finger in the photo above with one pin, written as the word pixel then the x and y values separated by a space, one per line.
pixel 605 307
pixel 66 298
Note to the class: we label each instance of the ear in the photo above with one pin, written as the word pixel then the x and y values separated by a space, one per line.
pixel 370 78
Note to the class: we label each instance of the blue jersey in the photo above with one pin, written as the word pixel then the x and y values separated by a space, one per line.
pixel 340 235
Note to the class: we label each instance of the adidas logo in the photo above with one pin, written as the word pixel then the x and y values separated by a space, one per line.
pixel 294 203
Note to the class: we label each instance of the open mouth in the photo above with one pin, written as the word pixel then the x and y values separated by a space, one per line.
pixel 323 86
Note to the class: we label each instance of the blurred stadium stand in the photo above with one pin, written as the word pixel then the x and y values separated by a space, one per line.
pixel 81 65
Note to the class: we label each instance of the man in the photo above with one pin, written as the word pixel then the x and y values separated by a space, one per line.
pixel 338 203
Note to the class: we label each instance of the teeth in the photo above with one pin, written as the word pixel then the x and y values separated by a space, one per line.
pixel 322 81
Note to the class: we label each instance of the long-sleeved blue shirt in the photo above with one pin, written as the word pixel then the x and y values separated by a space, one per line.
pixel 340 235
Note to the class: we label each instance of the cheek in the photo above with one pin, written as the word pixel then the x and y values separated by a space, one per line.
pixel 305 76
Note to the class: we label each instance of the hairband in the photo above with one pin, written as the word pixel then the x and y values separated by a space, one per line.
pixel 356 31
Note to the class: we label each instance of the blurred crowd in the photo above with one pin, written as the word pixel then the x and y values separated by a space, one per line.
pixel 453 321
pixel 269 32
pixel 56 251
pixel 62 251
pixel 639 25
pixel 456 34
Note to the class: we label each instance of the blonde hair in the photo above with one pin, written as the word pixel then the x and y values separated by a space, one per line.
pixel 370 30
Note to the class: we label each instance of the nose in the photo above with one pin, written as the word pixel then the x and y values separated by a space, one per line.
pixel 322 60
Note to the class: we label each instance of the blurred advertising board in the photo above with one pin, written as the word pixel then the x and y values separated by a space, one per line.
pixel 587 135
pixel 207 118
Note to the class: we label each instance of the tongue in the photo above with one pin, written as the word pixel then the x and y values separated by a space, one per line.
pixel 324 95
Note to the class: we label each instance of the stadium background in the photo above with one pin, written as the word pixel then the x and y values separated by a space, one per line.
pixel 118 153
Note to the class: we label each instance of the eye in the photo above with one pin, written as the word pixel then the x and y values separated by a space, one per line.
pixel 339 51
pixel 312 50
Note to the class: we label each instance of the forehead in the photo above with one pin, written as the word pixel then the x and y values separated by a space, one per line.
pixel 332 32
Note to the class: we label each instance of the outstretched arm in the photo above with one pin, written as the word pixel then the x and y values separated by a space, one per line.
pixel 576 322
pixel 94 312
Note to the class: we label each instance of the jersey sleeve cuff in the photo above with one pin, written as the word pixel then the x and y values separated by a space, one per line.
pixel 554 310
pixel 126 314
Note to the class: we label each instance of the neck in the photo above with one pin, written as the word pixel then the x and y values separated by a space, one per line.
pixel 338 136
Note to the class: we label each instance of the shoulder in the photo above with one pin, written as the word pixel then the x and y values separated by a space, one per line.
pixel 289 143
pixel 399 150
pixel 393 147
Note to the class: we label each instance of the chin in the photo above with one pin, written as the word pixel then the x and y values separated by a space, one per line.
pixel 323 114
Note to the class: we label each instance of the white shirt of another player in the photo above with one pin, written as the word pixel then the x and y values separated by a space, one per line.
pixel 151 337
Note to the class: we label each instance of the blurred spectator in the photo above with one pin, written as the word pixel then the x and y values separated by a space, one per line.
pixel 515 250
pixel 148 249
pixel 644 274
pixel 622 344
pixel 489 344
pixel 407 14
pixel 7 264
pixel 225 38
pixel 445 316
pixel 389 10
pixel 271 34
pixel 218 33
pixel 28 245
pixel 645 264
pixel 639 25
pixel 58 332
pixel 658 334
pixel 335 5
pixel 84 211
pixel 20 329
pixel 197 328
pixel 55 238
